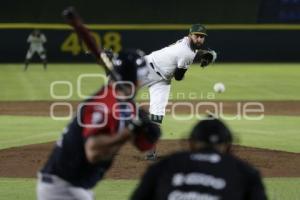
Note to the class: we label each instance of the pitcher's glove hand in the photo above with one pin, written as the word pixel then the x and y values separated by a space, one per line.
pixel 146 133
pixel 207 57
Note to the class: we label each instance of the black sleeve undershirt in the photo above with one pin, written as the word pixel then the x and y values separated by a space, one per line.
pixel 179 74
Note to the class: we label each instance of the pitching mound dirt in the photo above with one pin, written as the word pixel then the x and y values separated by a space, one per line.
pixel 130 164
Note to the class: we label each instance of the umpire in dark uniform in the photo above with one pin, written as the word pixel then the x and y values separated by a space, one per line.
pixel 206 172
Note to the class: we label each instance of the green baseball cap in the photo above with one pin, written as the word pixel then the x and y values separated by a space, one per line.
pixel 198 29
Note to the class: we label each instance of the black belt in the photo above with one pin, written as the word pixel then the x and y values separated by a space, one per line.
pixel 152 66
pixel 46 178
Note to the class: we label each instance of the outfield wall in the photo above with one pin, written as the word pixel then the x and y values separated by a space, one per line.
pixel 234 43
pixel 133 11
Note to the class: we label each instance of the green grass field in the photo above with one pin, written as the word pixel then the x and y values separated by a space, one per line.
pixel 243 82
pixel 24 189
pixel 22 130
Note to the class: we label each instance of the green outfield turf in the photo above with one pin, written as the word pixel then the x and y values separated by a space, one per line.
pixel 18 131
pixel 242 81
pixel 272 132
pixel 24 189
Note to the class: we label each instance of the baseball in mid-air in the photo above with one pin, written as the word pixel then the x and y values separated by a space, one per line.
pixel 219 87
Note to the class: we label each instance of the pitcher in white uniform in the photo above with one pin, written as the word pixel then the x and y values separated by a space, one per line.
pixel 36 40
pixel 173 61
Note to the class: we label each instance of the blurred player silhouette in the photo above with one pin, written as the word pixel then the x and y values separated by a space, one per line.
pixel 207 170
pixel 36 40
pixel 103 124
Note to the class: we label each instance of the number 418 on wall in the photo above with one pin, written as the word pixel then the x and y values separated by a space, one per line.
pixel 72 44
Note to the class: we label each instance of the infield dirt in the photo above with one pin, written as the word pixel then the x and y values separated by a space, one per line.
pixel 130 164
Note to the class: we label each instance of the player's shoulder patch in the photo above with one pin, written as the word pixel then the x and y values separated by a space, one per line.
pixel 93 114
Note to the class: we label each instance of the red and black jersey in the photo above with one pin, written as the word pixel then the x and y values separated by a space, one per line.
pixel 101 114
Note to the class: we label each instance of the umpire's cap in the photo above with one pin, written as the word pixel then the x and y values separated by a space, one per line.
pixel 198 29
pixel 211 131
pixel 128 64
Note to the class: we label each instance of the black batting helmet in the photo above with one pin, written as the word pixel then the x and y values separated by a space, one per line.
pixel 128 64
pixel 211 131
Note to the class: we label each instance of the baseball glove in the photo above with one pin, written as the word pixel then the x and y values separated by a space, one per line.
pixel 146 133
pixel 207 57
